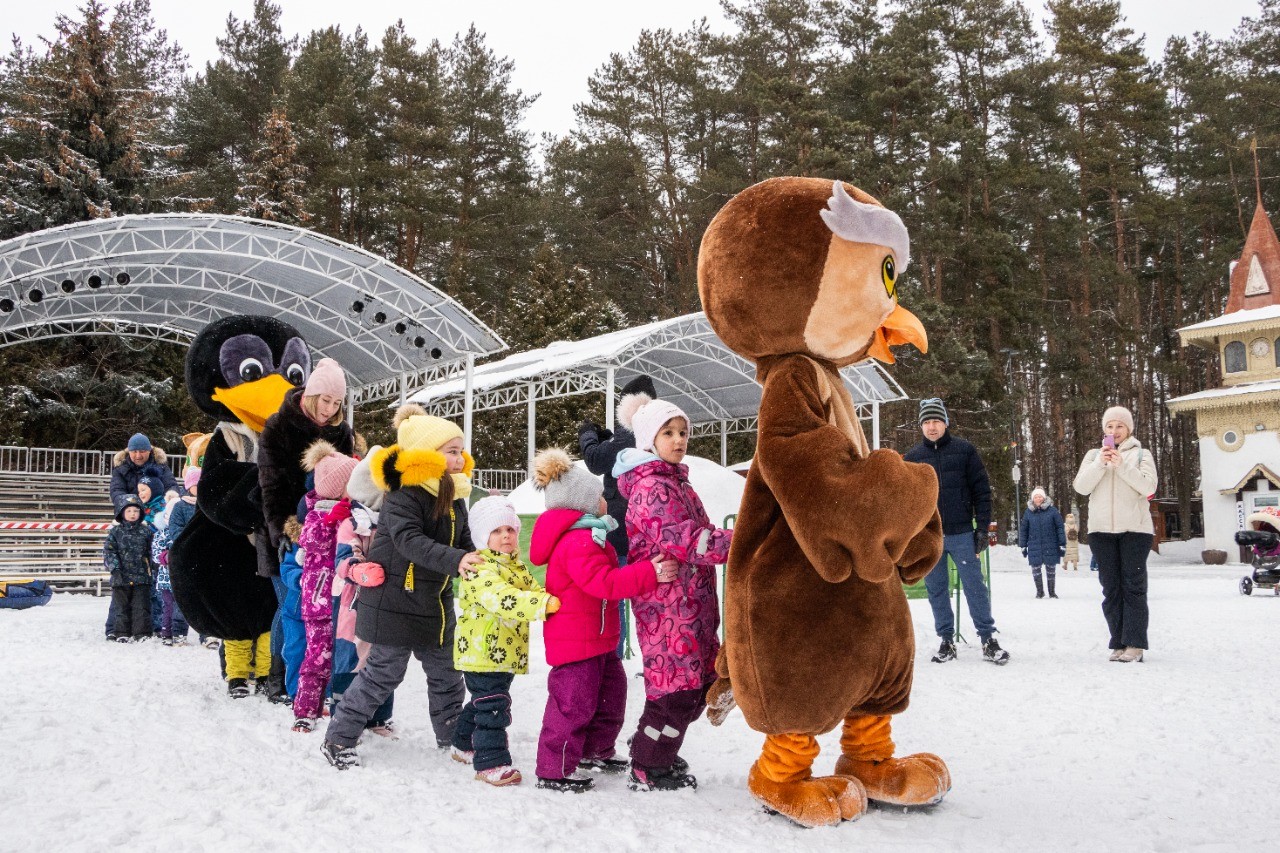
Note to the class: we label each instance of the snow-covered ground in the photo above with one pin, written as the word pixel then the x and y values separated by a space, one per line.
pixel 136 747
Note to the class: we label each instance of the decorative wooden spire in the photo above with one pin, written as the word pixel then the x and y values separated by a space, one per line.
pixel 1255 280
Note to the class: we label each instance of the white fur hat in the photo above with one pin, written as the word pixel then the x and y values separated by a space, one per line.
pixel 647 419
pixel 361 485
pixel 487 515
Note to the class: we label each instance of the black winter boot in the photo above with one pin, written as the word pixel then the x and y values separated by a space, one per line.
pixel 276 694
pixel 237 688
pixel 1035 575
pixel 946 652
pixel 659 779
pixel 1051 577
pixel 574 784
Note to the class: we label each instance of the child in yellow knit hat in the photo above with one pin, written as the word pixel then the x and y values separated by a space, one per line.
pixel 422 543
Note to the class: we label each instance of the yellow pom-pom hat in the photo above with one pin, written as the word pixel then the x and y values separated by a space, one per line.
pixel 415 459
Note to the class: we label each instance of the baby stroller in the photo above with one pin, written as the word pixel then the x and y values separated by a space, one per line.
pixel 1263 542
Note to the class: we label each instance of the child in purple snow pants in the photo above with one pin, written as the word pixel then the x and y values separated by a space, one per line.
pixel 587 688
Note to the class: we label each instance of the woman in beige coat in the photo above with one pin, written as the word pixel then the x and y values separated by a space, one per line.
pixel 1119 478
pixel 1071 560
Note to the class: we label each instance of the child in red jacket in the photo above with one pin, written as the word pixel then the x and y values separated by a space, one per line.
pixel 587 688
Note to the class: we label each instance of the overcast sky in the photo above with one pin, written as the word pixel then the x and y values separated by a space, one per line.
pixel 556 45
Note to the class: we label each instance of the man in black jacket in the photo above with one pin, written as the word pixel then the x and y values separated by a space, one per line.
pixel 600 449
pixel 964 497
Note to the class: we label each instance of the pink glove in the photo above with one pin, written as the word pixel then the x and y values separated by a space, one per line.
pixel 366 574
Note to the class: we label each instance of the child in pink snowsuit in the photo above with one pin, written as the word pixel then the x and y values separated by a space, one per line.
pixel 327 508
pixel 677 623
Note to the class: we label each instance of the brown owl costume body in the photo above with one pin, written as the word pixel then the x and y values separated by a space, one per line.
pixel 800 276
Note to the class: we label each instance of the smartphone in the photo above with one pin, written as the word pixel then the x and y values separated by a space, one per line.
pixel 1108 441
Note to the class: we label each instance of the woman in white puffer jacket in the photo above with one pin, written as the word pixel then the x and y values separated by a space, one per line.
pixel 1119 479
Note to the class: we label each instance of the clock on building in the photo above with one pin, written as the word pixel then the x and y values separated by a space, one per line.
pixel 1260 348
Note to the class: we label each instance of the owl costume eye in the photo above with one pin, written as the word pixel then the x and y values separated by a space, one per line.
pixel 889 272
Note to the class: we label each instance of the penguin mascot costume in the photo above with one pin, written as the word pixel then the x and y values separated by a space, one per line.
pixel 238 370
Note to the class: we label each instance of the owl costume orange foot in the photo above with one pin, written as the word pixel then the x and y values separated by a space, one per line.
pixel 800 276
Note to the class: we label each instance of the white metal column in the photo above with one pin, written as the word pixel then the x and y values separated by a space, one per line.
pixel 610 373
pixel 351 407
pixel 724 444
pixel 468 401
pixel 875 425
pixel 532 426
pixel 404 388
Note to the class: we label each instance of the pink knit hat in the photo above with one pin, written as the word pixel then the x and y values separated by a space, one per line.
pixel 190 477
pixel 332 469
pixel 326 378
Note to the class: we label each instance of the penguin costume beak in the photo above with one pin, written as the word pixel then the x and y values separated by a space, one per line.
pixel 254 402
pixel 900 327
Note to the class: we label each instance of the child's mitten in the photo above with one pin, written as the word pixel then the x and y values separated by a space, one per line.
pixel 366 574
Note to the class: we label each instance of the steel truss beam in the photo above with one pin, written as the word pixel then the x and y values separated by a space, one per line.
pixel 186 270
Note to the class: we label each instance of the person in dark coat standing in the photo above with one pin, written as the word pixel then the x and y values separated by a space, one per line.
pixel 422 543
pixel 127 556
pixel 1042 536
pixel 964 501
pixel 600 449
pixel 139 459
pixel 308 414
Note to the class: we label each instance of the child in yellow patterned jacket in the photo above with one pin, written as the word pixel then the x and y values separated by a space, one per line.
pixel 491 644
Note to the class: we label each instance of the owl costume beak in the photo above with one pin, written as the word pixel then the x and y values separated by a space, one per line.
pixel 900 327
pixel 254 402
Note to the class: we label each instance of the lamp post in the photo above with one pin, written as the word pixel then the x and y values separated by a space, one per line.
pixel 1017 485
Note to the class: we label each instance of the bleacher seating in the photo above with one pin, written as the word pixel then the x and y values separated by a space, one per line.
pixel 70 558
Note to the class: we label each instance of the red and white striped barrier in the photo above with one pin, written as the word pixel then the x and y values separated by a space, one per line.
pixel 54 525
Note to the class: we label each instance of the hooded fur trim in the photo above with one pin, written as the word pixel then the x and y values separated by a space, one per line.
pixel 394 468
pixel 156 453
pixel 629 405
pixel 408 410
pixel 552 464
pixel 315 454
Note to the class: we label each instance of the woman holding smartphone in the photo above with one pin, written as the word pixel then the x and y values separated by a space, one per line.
pixel 1119 478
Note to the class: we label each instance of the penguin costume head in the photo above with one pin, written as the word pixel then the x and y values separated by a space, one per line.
pixel 239 368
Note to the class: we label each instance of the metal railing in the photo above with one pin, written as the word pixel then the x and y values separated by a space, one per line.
pixel 498 479
pixel 58 460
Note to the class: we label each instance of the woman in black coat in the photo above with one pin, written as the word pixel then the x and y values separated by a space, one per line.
pixel 307 414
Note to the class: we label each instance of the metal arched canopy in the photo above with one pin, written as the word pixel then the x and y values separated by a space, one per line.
pixel 166 276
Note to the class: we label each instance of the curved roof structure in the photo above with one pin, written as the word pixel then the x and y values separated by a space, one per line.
pixel 166 276
pixel 688 363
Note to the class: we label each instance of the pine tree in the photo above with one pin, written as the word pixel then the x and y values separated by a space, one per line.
pixel 220 115
pixel 330 96
pixel 275 183
pixel 490 217
pixel 82 133
pixel 409 97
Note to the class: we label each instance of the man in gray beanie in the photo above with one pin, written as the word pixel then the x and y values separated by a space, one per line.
pixel 964 502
